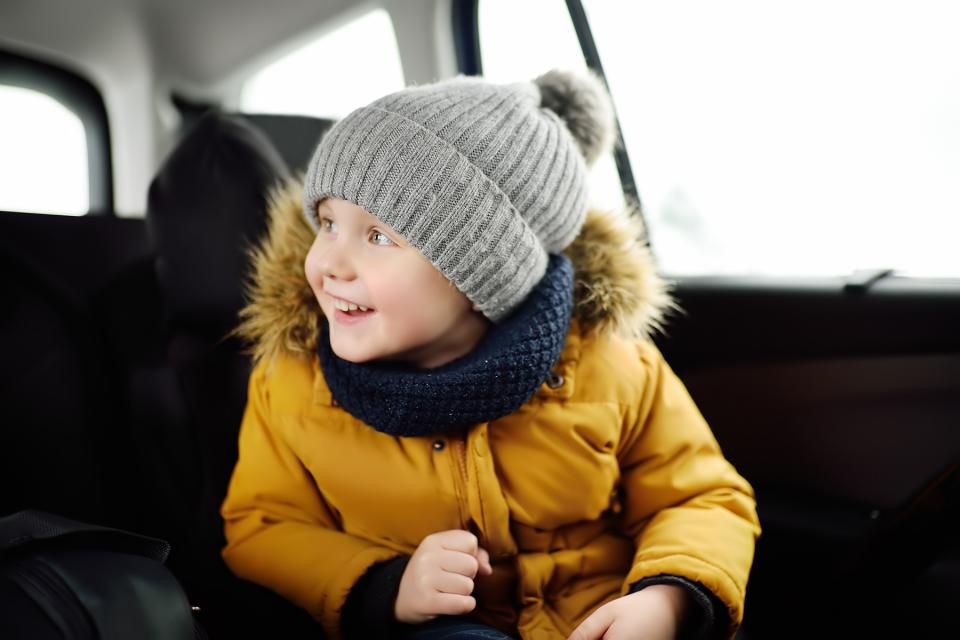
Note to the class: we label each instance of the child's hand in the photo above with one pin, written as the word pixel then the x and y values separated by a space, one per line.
pixel 438 579
pixel 653 613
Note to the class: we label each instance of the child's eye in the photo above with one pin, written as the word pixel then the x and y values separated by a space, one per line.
pixel 323 224
pixel 380 239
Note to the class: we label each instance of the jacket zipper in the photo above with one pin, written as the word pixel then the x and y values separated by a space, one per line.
pixel 460 459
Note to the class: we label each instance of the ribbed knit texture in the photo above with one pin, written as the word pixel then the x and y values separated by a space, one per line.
pixel 477 176
pixel 502 372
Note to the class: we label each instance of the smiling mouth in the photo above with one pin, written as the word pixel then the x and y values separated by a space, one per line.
pixel 350 308
pixel 355 312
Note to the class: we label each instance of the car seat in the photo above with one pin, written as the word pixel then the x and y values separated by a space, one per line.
pixel 206 208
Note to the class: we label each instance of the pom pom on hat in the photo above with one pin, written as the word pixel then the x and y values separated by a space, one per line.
pixel 581 100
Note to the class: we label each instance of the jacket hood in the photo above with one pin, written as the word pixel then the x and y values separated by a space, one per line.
pixel 616 286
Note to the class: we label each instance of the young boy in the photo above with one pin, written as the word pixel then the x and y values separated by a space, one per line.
pixel 457 425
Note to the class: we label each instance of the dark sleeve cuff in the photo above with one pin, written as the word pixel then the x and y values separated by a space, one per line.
pixel 368 611
pixel 706 617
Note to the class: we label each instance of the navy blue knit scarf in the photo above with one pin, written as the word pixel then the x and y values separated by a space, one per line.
pixel 502 372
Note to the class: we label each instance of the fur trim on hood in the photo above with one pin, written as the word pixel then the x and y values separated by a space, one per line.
pixel 616 286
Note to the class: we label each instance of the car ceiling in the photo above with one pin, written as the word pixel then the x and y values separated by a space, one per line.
pixel 190 43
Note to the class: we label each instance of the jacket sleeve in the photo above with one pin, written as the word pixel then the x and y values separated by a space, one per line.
pixel 687 509
pixel 280 531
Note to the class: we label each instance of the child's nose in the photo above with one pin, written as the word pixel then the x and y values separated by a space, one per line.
pixel 337 262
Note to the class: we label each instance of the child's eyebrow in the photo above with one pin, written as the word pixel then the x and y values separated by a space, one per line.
pixel 373 223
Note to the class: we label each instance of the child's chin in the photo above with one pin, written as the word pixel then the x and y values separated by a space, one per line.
pixel 351 355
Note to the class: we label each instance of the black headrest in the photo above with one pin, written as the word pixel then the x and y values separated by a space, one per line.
pixel 296 137
pixel 206 207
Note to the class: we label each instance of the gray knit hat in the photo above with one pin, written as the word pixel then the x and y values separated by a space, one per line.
pixel 483 179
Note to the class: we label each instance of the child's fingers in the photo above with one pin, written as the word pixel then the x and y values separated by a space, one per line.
pixel 464 542
pixel 484 559
pixel 451 604
pixel 456 540
pixel 455 583
pixel 594 626
pixel 457 562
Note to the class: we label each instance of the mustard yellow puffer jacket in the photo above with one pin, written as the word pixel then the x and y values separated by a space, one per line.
pixel 609 477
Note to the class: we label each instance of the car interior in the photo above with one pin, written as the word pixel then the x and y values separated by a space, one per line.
pixel 837 397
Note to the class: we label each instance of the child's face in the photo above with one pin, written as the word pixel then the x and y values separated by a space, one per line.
pixel 416 315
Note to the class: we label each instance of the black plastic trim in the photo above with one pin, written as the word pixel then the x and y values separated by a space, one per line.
pixel 466 36
pixel 592 57
pixel 752 319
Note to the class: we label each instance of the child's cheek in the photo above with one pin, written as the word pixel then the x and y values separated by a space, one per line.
pixel 315 279
pixel 394 296
pixel 406 296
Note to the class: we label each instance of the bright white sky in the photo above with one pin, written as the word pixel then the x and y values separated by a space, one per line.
pixel 797 138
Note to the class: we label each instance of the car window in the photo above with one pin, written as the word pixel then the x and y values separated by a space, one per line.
pixel 811 139
pixel 43 158
pixel 512 51
pixel 333 74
